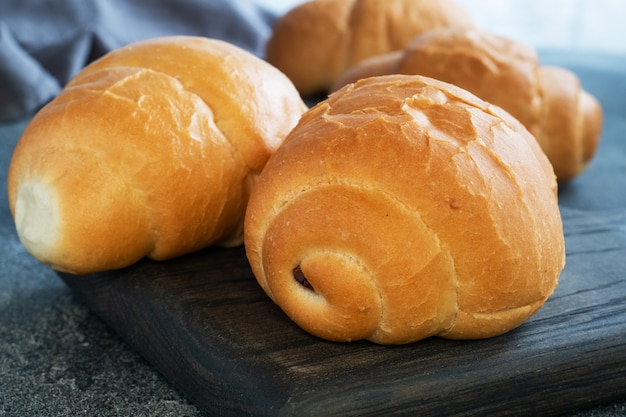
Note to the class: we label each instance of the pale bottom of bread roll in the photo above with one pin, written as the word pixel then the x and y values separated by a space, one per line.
pixel 36 218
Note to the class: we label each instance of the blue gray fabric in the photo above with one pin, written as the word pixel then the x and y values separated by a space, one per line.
pixel 44 43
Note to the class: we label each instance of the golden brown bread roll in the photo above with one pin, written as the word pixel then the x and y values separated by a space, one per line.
pixel 401 208
pixel 150 151
pixel 548 100
pixel 317 40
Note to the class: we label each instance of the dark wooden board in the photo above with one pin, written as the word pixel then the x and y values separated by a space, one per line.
pixel 205 324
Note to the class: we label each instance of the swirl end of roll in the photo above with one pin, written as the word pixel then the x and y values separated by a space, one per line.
pixel 403 208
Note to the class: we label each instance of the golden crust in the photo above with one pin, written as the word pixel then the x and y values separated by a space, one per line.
pixel 316 41
pixel 312 62
pixel 412 209
pixel 571 122
pixel 150 151
pixel 548 101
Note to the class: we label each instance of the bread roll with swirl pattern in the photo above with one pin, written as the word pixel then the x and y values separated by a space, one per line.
pixel 401 208
pixel 150 151
pixel 548 100
pixel 317 40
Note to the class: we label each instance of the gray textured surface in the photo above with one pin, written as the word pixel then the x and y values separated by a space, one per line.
pixel 59 360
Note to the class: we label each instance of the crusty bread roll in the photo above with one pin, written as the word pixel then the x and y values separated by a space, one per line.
pixel 317 40
pixel 150 151
pixel 401 208
pixel 548 100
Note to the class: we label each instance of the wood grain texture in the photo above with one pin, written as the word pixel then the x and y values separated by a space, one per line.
pixel 204 323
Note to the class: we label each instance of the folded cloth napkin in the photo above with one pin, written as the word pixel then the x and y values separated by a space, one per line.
pixel 44 43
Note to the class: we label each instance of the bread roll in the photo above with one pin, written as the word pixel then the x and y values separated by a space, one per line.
pixel 150 151
pixel 401 208
pixel 316 41
pixel 549 101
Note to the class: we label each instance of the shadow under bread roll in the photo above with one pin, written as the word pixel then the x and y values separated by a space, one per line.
pixel 402 208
